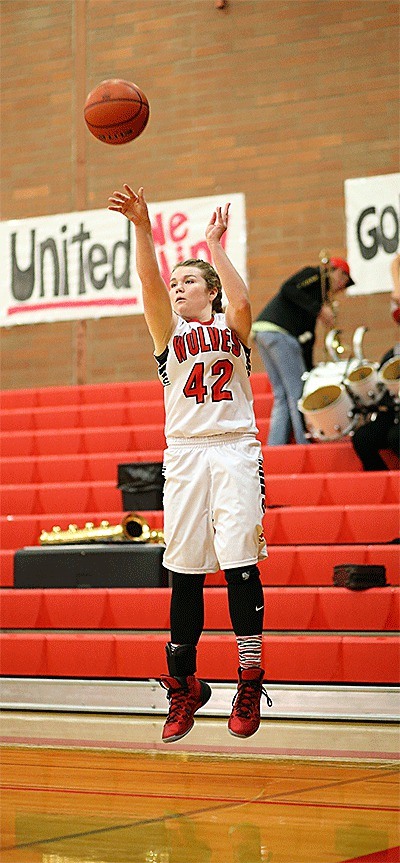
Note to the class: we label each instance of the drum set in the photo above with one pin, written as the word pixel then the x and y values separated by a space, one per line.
pixel 340 395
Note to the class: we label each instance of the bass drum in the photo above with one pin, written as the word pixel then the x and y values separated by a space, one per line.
pixel 389 376
pixel 328 412
pixel 363 381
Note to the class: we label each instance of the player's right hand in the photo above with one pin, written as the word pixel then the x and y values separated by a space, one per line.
pixel 131 205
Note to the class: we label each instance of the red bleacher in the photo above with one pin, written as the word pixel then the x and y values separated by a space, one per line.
pixel 292 609
pixel 61 447
pixel 317 489
pixel 352 659
pixel 301 565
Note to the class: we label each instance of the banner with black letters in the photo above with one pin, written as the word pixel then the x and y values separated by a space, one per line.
pixel 372 229
pixel 79 265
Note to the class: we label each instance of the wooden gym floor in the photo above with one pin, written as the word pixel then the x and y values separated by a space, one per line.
pixel 73 790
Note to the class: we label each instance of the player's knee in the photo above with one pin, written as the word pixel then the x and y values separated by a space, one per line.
pixel 242 574
pixel 186 584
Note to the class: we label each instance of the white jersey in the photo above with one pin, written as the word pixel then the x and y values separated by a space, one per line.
pixel 205 373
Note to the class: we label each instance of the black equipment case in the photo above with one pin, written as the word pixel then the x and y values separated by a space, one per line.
pixel 358 576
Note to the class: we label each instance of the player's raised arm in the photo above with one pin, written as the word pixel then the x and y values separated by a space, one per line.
pixel 238 310
pixel 156 302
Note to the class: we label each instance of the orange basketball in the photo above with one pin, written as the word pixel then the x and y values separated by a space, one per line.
pixel 116 111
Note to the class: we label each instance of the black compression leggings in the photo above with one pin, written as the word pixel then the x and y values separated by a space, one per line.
pixel 246 600
pixel 187 607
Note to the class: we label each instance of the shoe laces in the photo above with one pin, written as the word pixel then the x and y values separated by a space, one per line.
pixel 178 702
pixel 248 693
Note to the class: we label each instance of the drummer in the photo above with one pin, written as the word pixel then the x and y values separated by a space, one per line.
pixel 284 332
pixel 395 296
pixel 382 429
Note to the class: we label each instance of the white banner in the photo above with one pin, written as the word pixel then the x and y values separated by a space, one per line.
pixel 372 227
pixel 82 265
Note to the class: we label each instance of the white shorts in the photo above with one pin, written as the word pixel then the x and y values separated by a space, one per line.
pixel 214 501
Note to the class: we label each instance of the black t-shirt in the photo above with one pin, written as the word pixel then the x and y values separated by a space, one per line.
pixel 296 307
pixel 297 304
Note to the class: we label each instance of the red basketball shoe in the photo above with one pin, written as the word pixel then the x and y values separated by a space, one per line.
pixel 185 695
pixel 245 717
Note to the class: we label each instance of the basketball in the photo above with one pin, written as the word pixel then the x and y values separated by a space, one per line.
pixel 116 111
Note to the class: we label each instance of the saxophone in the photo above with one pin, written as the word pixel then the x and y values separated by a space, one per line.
pixel 132 528
pixel 333 345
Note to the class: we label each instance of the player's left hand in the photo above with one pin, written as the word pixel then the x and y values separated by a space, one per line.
pixel 217 224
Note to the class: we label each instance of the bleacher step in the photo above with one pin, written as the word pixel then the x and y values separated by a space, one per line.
pixel 290 701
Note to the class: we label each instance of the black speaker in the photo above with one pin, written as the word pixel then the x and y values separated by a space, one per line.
pixel 123 564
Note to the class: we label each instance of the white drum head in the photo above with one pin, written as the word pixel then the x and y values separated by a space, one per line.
pixel 364 383
pixel 390 376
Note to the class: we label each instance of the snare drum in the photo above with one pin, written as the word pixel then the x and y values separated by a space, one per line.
pixel 364 383
pixel 328 412
pixel 326 373
pixel 389 375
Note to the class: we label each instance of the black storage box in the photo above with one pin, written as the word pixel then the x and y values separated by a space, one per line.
pixel 141 484
pixel 357 576
pixel 122 564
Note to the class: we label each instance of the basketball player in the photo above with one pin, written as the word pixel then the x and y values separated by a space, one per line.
pixel 214 484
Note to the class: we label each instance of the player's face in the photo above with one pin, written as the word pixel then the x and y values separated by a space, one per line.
pixel 190 296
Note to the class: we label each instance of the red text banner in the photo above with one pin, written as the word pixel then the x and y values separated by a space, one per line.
pixel 79 265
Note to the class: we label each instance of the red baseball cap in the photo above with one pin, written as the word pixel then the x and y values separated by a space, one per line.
pixel 395 309
pixel 340 262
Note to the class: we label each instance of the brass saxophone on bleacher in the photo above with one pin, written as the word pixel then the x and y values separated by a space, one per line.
pixel 132 528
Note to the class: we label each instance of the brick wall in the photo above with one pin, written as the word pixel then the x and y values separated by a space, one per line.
pixel 282 101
